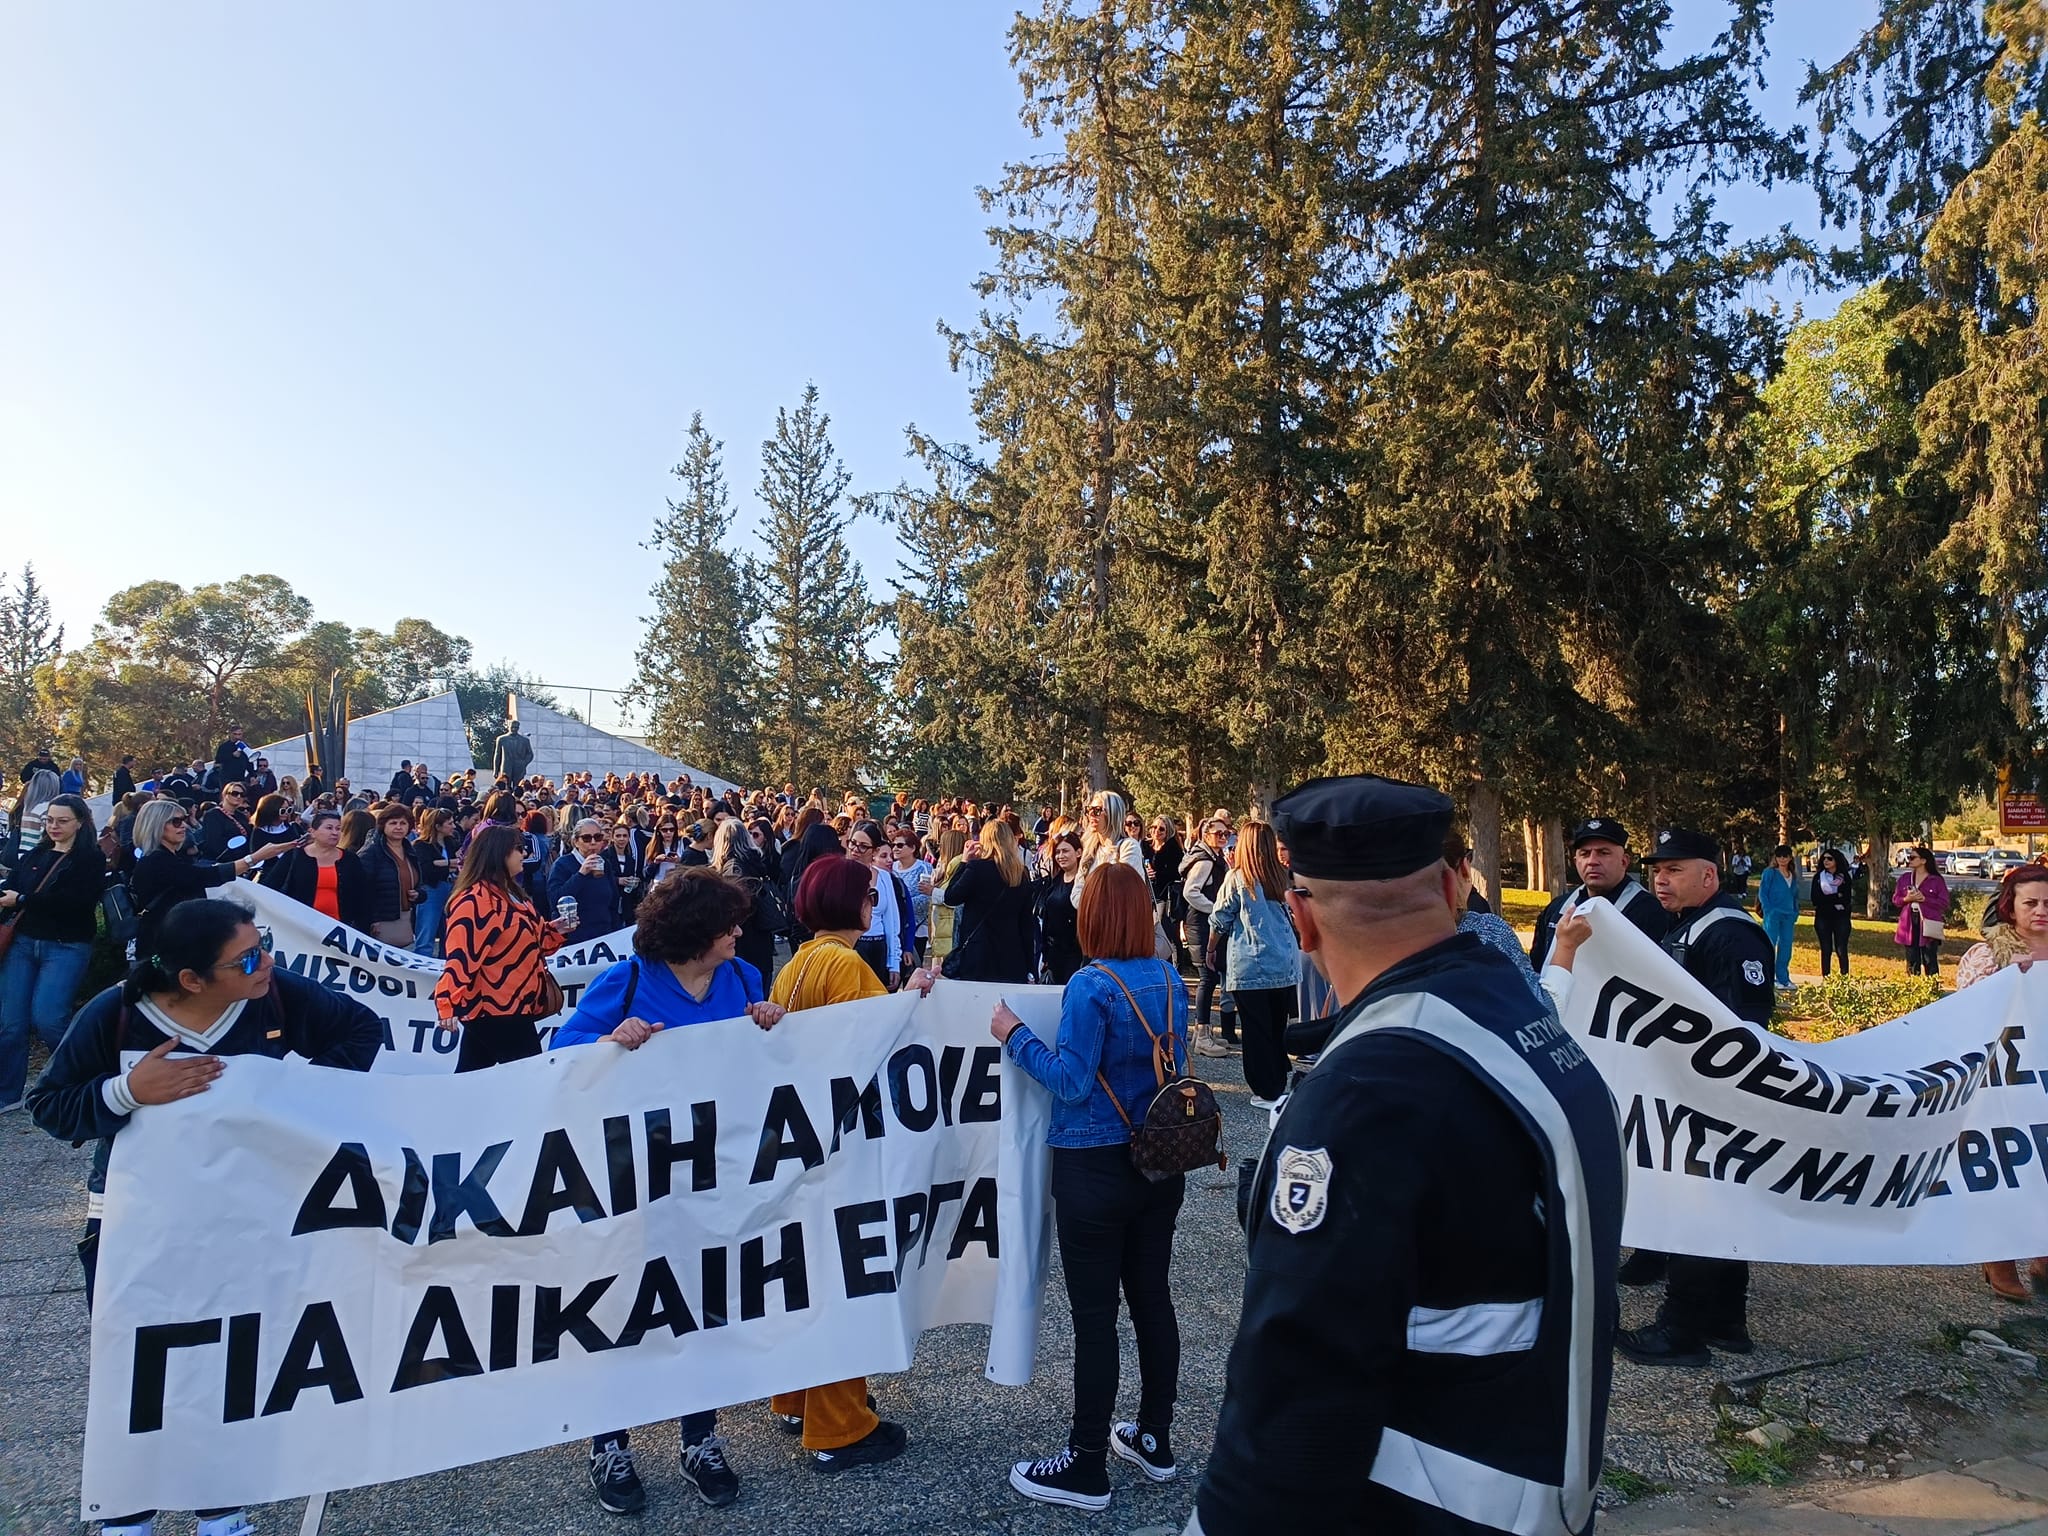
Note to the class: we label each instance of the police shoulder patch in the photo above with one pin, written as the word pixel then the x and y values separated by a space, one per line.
pixel 1301 1188
pixel 1753 972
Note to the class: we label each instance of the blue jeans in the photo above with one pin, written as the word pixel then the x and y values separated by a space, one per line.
pixel 426 918
pixel 1778 928
pixel 37 988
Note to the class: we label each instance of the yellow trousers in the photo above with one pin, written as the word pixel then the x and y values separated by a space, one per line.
pixel 834 1415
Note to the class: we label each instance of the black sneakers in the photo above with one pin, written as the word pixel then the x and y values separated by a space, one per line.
pixel 1143 1449
pixel 1657 1345
pixel 884 1442
pixel 705 1469
pixel 615 1482
pixel 1077 1479
pixel 1643 1267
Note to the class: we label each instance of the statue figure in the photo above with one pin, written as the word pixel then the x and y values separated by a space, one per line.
pixel 512 754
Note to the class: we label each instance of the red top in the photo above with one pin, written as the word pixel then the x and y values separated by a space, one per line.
pixel 327 890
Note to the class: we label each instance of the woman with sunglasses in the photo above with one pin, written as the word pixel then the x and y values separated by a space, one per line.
pixel 166 875
pixel 207 991
pixel 910 868
pixel 884 942
pixel 663 854
pixel 1105 841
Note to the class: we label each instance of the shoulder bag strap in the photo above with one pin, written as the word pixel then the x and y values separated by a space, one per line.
pixel 48 875
pixel 1159 1066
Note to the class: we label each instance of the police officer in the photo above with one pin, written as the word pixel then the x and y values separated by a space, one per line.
pixel 1600 855
pixel 1432 1227
pixel 1726 951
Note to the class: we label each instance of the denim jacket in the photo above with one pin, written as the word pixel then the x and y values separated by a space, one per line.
pixel 1099 1034
pixel 1262 950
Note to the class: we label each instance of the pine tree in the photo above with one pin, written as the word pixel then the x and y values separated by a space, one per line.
pixel 697 666
pixel 820 696
pixel 29 641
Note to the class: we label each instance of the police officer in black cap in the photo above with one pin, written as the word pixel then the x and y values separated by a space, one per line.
pixel 1725 950
pixel 1600 855
pixel 1429 1299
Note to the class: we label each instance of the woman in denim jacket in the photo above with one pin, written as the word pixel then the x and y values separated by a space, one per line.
pixel 1115 1225
pixel 1263 961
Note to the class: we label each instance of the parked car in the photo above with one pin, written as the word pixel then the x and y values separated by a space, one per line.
pixel 1965 861
pixel 1999 860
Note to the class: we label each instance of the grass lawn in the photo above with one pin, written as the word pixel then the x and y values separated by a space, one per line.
pixel 1871 949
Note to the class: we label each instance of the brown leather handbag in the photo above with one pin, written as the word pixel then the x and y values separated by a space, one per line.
pixel 13 915
pixel 1183 1125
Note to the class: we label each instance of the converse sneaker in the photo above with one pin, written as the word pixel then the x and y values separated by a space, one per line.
pixel 705 1469
pixel 1148 1452
pixel 1077 1479
pixel 234 1523
pixel 883 1443
pixel 615 1482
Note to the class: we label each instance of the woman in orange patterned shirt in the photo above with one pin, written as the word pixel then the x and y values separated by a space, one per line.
pixel 495 985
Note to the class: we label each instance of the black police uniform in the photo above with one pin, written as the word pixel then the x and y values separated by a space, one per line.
pixel 1635 903
pixel 1726 951
pixel 1429 1299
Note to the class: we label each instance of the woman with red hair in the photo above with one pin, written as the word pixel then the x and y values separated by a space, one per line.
pixel 2020 938
pixel 833 900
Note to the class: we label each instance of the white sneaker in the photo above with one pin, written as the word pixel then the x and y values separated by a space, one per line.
pixel 1259 1103
pixel 235 1524
pixel 134 1528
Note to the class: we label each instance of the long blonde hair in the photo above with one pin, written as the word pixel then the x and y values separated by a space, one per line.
pixel 999 843
pixel 1256 861
pixel 1105 846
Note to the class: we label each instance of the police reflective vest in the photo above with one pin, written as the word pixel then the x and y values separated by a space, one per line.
pixel 1629 898
pixel 1429 1301
pixel 1727 951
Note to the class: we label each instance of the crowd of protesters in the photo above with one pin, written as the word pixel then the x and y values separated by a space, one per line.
pixel 757 904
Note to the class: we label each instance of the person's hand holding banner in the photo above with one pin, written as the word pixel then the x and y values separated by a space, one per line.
pixel 633 1033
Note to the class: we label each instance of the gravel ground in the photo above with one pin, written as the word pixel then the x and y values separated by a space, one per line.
pixel 1899 1390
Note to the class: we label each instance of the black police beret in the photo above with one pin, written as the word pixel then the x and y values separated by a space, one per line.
pixel 1600 829
pixel 1677 843
pixel 1361 827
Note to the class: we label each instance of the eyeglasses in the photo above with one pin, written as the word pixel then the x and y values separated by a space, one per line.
pixel 177 821
pixel 1302 891
pixel 861 847
pixel 250 960
pixel 589 837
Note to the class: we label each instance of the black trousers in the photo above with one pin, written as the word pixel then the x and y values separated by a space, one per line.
pixel 1116 1232
pixel 1832 929
pixel 1212 980
pixel 1923 959
pixel 876 953
pixel 493 1042
pixel 1705 1296
pixel 1262 1024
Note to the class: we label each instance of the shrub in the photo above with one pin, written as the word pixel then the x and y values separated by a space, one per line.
pixel 1846 1005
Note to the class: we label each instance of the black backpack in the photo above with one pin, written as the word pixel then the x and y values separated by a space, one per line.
pixel 1183 1125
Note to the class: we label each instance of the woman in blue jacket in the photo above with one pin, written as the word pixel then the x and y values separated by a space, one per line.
pixel 1779 898
pixel 1262 960
pixel 584 875
pixel 1115 1225
pixel 683 971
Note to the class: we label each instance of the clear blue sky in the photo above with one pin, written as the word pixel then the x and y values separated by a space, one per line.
pixel 411 304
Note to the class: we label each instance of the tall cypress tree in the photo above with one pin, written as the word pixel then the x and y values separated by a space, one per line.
pixel 29 641
pixel 821 696
pixel 697 666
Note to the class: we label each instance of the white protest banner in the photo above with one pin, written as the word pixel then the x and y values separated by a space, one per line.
pixel 396 984
pixel 312 1279
pixel 1921 1141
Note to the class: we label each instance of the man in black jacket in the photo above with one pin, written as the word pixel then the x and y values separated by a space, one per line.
pixel 1726 951
pixel 124 777
pixel 1600 855
pixel 231 759
pixel 1429 1304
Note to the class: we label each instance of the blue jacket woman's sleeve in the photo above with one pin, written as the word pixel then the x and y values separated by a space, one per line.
pixel 600 1010
pixel 1068 1069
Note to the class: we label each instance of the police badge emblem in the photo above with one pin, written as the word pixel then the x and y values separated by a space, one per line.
pixel 1753 972
pixel 1301 1188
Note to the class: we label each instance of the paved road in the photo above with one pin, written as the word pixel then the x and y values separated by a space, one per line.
pixel 1897 1390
